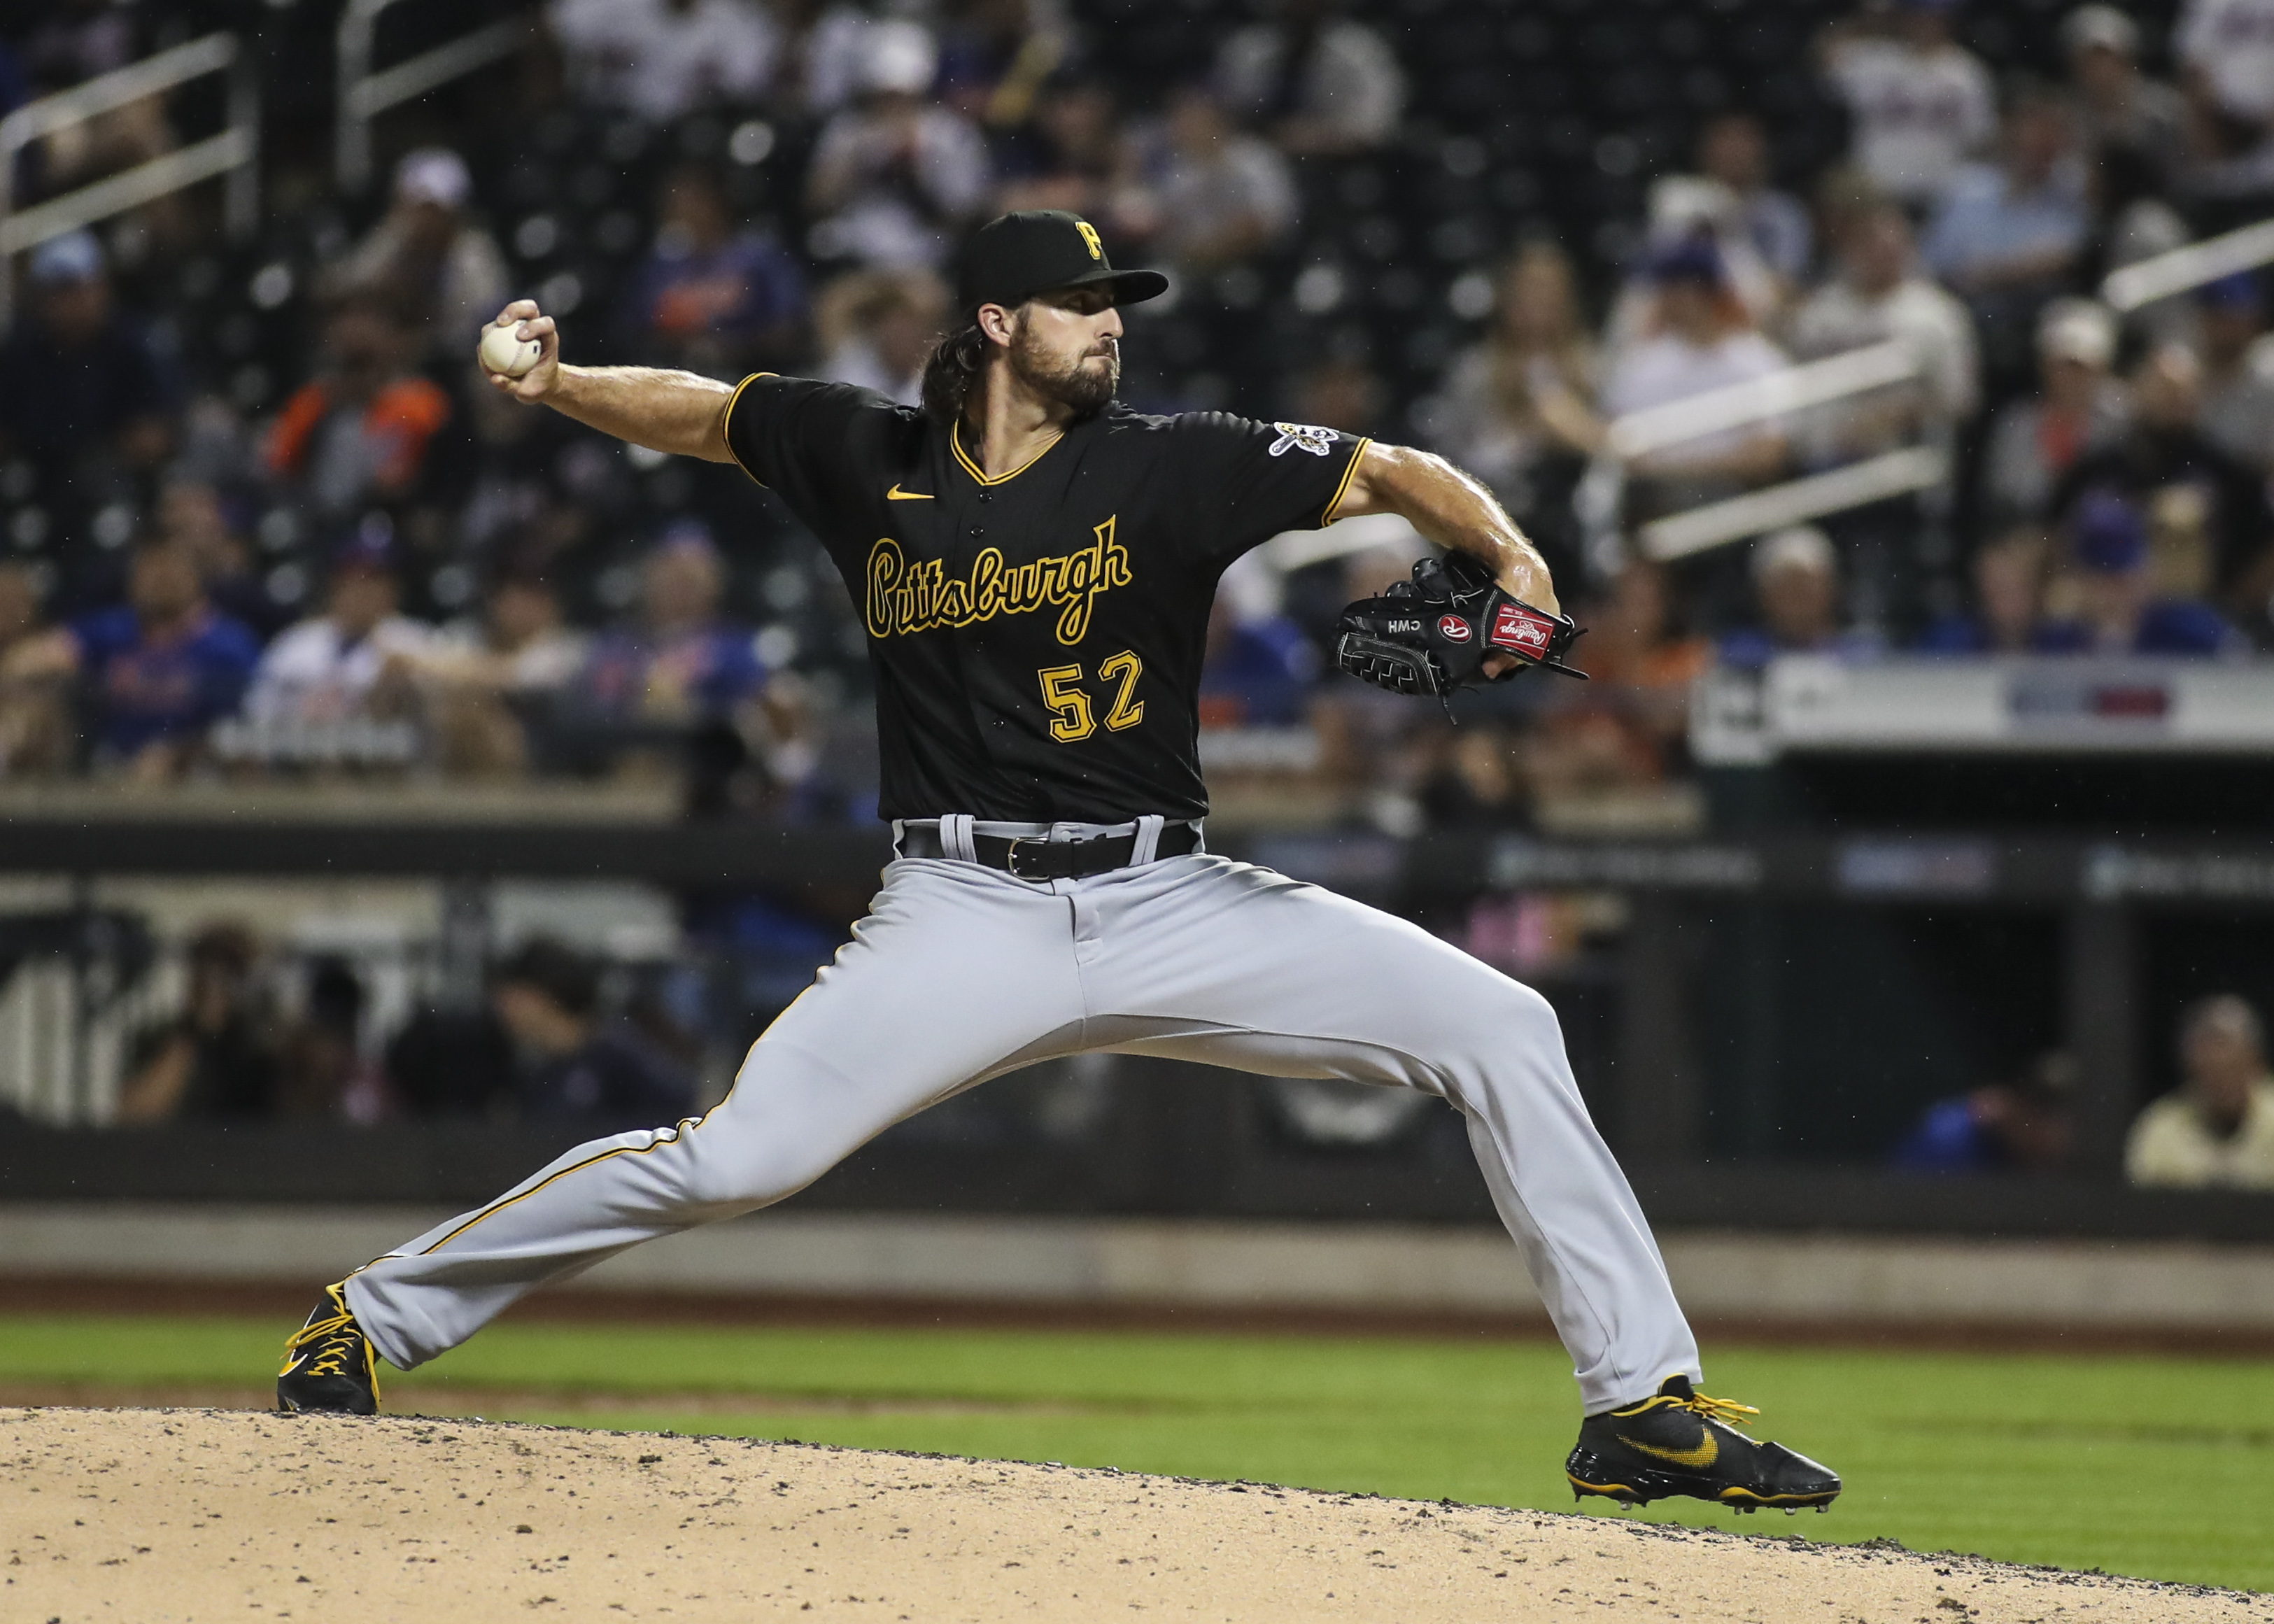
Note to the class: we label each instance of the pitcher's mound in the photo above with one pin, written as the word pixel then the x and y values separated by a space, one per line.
pixel 174 1515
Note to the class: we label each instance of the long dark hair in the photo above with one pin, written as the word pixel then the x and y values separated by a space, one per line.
pixel 952 373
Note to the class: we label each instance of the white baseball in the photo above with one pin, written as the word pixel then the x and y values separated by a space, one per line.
pixel 503 352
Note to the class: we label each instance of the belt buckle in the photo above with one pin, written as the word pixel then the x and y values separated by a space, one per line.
pixel 1010 858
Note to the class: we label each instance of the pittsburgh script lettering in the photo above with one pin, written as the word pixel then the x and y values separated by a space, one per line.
pixel 904 598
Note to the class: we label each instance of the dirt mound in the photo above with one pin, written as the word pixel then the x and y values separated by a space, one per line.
pixel 180 1514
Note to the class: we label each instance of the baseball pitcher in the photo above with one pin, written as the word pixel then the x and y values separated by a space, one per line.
pixel 1035 565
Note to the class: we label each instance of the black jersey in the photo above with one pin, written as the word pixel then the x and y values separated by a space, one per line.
pixel 1037 636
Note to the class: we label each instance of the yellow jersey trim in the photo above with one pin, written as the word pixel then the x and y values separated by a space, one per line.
pixel 726 425
pixel 955 440
pixel 1342 489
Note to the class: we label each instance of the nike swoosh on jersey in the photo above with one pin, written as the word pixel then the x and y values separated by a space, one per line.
pixel 1704 1455
pixel 896 495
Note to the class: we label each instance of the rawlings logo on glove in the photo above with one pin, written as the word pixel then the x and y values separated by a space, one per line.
pixel 1432 635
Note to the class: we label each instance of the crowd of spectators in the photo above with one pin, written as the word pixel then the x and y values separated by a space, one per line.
pixel 374 564
pixel 263 1037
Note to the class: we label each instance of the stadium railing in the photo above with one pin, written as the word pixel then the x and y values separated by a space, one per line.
pixel 233 153
pixel 365 92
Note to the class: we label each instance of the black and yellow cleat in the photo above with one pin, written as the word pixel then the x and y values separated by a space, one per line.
pixel 329 1365
pixel 1679 1441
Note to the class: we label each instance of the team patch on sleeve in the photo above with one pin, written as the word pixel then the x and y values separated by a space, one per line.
pixel 1302 437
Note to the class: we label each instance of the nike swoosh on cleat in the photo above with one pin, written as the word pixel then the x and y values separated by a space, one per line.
pixel 1704 1455
pixel 896 495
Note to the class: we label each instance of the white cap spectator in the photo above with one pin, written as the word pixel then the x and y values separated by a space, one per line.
pixel 2079 330
pixel 902 59
pixel 2100 28
pixel 1801 547
pixel 74 257
pixel 2230 44
pixel 435 175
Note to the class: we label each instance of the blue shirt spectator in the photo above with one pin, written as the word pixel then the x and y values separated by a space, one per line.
pixel 80 380
pixel 710 296
pixel 1257 674
pixel 165 666
pixel 2120 613
pixel 1948 1139
pixel 2018 223
pixel 1796 589
pixel 2022 1125
pixel 680 662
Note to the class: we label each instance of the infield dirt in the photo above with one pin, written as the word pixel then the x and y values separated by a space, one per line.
pixel 154 1517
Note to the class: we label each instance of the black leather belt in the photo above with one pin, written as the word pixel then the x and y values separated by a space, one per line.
pixel 1032 858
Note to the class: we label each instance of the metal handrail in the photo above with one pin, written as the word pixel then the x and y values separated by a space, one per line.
pixel 235 152
pixel 363 94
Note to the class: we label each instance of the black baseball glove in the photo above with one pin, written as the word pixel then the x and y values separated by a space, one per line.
pixel 1433 634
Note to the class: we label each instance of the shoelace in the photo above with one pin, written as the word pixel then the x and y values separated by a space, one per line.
pixel 1725 1410
pixel 335 1341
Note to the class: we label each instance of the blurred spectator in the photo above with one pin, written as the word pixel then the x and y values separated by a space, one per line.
pixel 2228 176
pixel 680 662
pixel 823 42
pixel 2006 236
pixel 2124 115
pixel 2078 411
pixel 1797 593
pixel 1641 659
pixel 710 298
pixel 574 1064
pixel 451 1063
pixel 996 55
pixel 2238 389
pixel 318 1062
pixel 1878 294
pixel 1695 338
pixel 1893 548
pixel 1072 155
pixel 2118 609
pixel 217 1059
pixel 1517 409
pixel 1259 670
pixel 1472 777
pixel 1223 197
pixel 427 259
pixel 1622 731
pixel 1731 194
pixel 1920 103
pixel 353 658
pixel 2009 596
pixel 1341 392
pixel 2229 44
pixel 663 59
pixel 2023 1125
pixel 877 327
pixel 83 397
pixel 895 178
pixel 489 681
pixel 157 671
pixel 2214 531
pixel 368 429
pixel 2217 1129
pixel 35 721
pixel 192 513
pixel 1312 79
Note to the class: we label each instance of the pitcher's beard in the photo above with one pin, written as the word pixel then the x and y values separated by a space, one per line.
pixel 1074 384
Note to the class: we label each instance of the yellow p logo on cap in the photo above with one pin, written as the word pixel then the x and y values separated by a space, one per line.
pixel 1089 235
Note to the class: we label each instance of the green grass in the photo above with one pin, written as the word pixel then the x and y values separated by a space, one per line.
pixel 2158 1467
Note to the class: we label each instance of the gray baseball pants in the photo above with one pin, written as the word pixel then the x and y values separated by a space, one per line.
pixel 961 972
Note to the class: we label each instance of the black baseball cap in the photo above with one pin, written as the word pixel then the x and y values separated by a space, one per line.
pixel 1012 258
